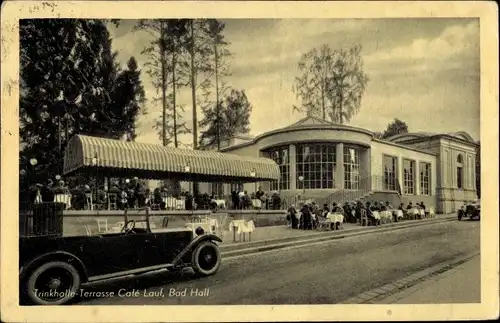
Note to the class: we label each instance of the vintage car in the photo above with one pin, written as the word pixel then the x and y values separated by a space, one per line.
pixel 470 210
pixel 53 269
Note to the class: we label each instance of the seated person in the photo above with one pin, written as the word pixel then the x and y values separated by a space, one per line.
pixel 410 206
pixel 158 199
pixel 369 213
pixel 325 210
pixel 382 207
pixel 292 217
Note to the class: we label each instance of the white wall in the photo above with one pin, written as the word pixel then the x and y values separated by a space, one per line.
pixel 379 149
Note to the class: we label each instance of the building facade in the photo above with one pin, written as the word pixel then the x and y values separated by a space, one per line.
pixel 318 159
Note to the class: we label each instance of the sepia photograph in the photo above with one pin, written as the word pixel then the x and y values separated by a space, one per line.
pixel 229 158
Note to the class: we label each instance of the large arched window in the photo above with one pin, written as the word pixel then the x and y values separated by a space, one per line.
pixel 460 171
pixel 315 165
pixel 351 168
pixel 281 157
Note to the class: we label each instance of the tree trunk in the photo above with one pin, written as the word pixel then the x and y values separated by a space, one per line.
pixel 59 134
pixel 174 81
pixel 217 109
pixel 163 84
pixel 323 98
pixel 193 89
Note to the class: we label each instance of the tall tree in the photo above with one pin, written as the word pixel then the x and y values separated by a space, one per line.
pixel 234 112
pixel 331 83
pixel 199 51
pixel 70 83
pixel 396 127
pixel 166 70
pixel 215 32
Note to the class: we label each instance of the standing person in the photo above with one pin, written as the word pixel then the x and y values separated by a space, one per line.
pixel 47 192
pixel 276 201
pixel 241 197
pixel 292 214
pixel 235 199
pixel 189 202
pixel 259 194
pixel 247 200
pixel 306 217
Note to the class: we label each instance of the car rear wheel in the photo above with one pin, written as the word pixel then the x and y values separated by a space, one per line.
pixel 52 283
pixel 206 258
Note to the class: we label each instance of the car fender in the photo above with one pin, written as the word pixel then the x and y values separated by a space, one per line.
pixel 55 255
pixel 193 244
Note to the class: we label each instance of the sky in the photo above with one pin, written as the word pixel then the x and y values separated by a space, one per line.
pixel 425 72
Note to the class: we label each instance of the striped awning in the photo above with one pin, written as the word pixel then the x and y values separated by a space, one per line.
pixel 151 161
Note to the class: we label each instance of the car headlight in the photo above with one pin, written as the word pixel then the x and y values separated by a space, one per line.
pixel 199 231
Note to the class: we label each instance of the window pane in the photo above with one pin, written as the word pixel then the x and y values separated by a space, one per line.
pixel 314 165
pixel 408 177
pixel 351 168
pixel 280 156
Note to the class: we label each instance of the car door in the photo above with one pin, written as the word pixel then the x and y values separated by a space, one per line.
pixel 111 253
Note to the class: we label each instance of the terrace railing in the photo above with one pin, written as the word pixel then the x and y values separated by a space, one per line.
pixel 362 190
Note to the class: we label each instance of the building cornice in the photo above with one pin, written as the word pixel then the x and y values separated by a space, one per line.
pixel 405 147
pixel 422 138
pixel 299 128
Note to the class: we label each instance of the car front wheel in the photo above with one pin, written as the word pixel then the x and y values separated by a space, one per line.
pixel 52 283
pixel 206 258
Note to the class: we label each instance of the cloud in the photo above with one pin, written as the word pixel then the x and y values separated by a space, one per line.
pixel 417 67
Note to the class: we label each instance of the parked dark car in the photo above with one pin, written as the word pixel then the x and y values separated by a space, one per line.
pixel 471 211
pixel 53 268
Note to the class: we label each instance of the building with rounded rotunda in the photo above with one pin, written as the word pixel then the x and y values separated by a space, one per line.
pixel 319 159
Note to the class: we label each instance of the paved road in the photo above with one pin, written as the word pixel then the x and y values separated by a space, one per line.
pixel 322 274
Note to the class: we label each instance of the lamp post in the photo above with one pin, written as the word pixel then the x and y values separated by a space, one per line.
pixel 94 164
pixel 187 170
pixel 33 163
pixel 253 174
pixel 301 179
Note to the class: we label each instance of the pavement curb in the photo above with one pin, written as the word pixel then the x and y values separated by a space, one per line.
pixel 380 293
pixel 321 237
pixel 245 245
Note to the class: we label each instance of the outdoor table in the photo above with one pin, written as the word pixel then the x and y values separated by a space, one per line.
pixel 221 203
pixel 181 204
pixel 63 198
pixel 170 202
pixel 386 215
pixel 236 225
pixel 376 215
pixel 334 218
pixel 399 214
pixel 413 211
pixel 256 203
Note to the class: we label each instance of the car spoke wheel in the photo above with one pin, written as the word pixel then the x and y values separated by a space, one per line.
pixel 53 283
pixel 206 258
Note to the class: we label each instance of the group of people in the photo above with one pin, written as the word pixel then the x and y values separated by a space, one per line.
pixel 310 214
pixel 242 201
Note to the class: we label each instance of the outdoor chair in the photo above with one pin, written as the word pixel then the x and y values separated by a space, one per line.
pixel 323 223
pixel 222 225
pixel 88 230
pixel 431 213
pixel 112 201
pixel 102 225
pixel 364 221
pixel 88 199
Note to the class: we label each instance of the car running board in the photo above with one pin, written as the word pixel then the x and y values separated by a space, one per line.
pixel 129 273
